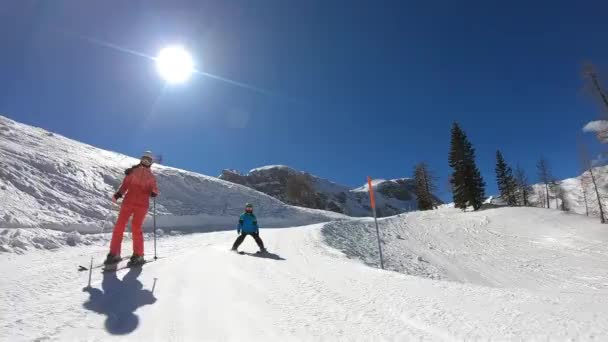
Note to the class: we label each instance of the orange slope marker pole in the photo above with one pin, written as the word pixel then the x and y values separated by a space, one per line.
pixel 372 199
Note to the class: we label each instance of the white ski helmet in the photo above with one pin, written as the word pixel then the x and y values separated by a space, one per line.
pixel 148 154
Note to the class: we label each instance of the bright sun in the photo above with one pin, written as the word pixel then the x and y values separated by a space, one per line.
pixel 174 64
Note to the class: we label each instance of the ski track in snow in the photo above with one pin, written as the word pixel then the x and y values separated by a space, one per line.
pixel 518 284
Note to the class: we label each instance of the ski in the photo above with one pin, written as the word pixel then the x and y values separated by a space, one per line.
pixel 85 268
pixel 122 267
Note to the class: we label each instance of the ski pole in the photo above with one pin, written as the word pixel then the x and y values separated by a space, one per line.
pixel 90 272
pixel 154 206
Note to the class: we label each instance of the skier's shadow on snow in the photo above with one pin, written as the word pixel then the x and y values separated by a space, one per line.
pixel 118 300
pixel 266 255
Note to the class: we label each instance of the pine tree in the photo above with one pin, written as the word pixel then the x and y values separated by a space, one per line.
pixel 424 185
pixel 468 187
pixel 504 179
pixel 523 187
pixel 456 161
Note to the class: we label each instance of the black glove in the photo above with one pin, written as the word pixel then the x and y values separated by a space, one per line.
pixel 153 194
pixel 117 195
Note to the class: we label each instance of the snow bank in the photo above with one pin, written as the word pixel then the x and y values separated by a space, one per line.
pixel 502 247
pixel 19 240
pixel 357 239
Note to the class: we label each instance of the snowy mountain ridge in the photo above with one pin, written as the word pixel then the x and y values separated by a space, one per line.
pixel 392 196
pixel 50 181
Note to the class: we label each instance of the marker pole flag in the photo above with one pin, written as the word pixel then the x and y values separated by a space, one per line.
pixel 372 200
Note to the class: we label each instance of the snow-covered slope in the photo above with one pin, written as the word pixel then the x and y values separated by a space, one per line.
pixel 501 247
pixel 49 181
pixel 575 200
pixel 520 274
pixel 392 196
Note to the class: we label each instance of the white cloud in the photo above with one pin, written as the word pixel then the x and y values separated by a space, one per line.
pixel 596 126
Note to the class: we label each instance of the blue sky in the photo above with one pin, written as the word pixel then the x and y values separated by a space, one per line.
pixel 356 88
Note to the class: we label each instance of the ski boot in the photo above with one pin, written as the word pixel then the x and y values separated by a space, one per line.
pixel 262 251
pixel 136 260
pixel 112 259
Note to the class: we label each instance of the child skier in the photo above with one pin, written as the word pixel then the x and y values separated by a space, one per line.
pixel 137 187
pixel 248 225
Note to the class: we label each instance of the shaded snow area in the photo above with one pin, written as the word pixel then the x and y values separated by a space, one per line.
pixel 49 181
pixel 499 274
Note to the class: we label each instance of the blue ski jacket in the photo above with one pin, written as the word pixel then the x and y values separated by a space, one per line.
pixel 248 223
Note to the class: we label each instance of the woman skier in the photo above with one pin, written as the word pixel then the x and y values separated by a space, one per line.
pixel 248 225
pixel 137 187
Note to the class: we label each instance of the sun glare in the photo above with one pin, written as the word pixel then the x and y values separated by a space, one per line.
pixel 174 64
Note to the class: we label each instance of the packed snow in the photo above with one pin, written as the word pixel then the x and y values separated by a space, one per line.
pixel 498 274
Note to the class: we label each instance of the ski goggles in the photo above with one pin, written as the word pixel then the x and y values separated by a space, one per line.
pixel 249 209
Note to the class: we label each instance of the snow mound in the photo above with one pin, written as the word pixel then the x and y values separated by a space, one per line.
pixel 531 248
pixel 357 239
pixel 49 181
